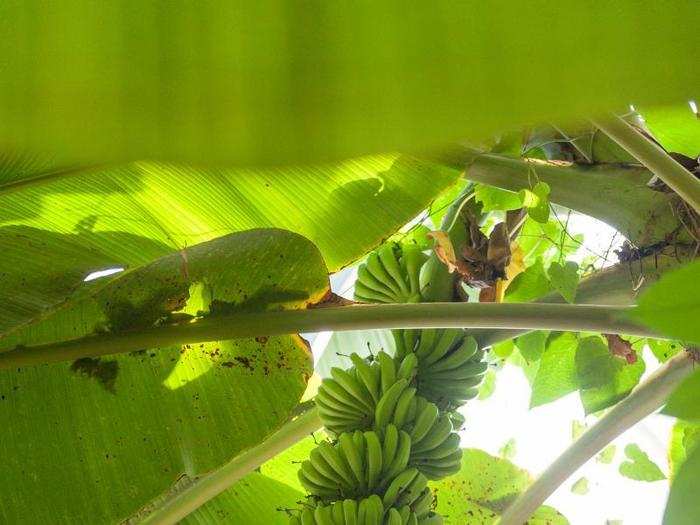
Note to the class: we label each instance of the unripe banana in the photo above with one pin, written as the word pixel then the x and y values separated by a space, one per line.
pixel 369 374
pixel 408 367
pixel 400 461
pixel 403 406
pixel 374 459
pixel 387 371
pixel 438 433
pixel 404 487
pixel 350 508
pixel 348 380
pixel 354 459
pixel 388 257
pixel 390 275
pixel 393 518
pixel 385 408
pixel 390 444
pixel 427 415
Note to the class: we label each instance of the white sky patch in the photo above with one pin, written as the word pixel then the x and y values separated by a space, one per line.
pixel 599 239
pixel 543 433
pixel 102 273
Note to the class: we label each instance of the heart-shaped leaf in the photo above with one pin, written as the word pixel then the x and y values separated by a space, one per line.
pixel 638 465
pixel 564 279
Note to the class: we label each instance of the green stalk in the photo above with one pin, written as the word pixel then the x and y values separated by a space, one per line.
pixel 565 317
pixel 616 285
pixel 653 157
pixel 643 400
pixel 211 485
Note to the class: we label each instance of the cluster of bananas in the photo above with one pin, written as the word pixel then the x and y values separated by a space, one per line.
pixel 390 275
pixel 368 394
pixel 368 511
pixel 391 419
pixel 359 464
pixel 434 447
pixel 450 366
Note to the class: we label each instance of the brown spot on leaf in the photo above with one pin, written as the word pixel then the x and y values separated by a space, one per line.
pixel 621 348
pixel 105 372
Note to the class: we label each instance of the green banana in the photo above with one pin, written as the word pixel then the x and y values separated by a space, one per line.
pixel 337 461
pixel 387 404
pixel 390 444
pixel 392 267
pixel 444 449
pixel 366 294
pixel 407 368
pixel 401 459
pixel 435 436
pixel 426 341
pixel 369 375
pixel 387 370
pixel 393 518
pixel 349 382
pixel 412 259
pixel 447 341
pixel 377 269
pixel 374 459
pixel 350 512
pixel 400 482
pixel 403 406
pixel 354 459
pixel 425 419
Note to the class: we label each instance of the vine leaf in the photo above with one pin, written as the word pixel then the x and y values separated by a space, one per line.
pixel 684 402
pixel 683 507
pixel 529 285
pixel 532 344
pixel 685 437
pixel 564 279
pixel 671 305
pixel 638 465
pixel 556 375
pixel 580 487
pixel 536 201
pixel 606 455
pixel 604 378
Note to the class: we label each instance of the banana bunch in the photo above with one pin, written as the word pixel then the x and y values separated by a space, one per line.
pixel 391 419
pixel 390 275
pixel 368 511
pixel 369 395
pixel 359 464
pixel 450 367
pixel 435 447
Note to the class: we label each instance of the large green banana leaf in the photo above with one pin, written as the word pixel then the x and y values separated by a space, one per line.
pixel 99 439
pixel 266 82
pixel 56 229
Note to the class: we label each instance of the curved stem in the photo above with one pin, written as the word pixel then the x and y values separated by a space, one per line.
pixel 206 488
pixel 565 317
pixel 653 157
pixel 643 400
pixel 616 195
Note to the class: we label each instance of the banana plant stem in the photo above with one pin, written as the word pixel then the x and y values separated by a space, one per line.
pixel 211 485
pixel 643 400
pixel 680 180
pixel 565 317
